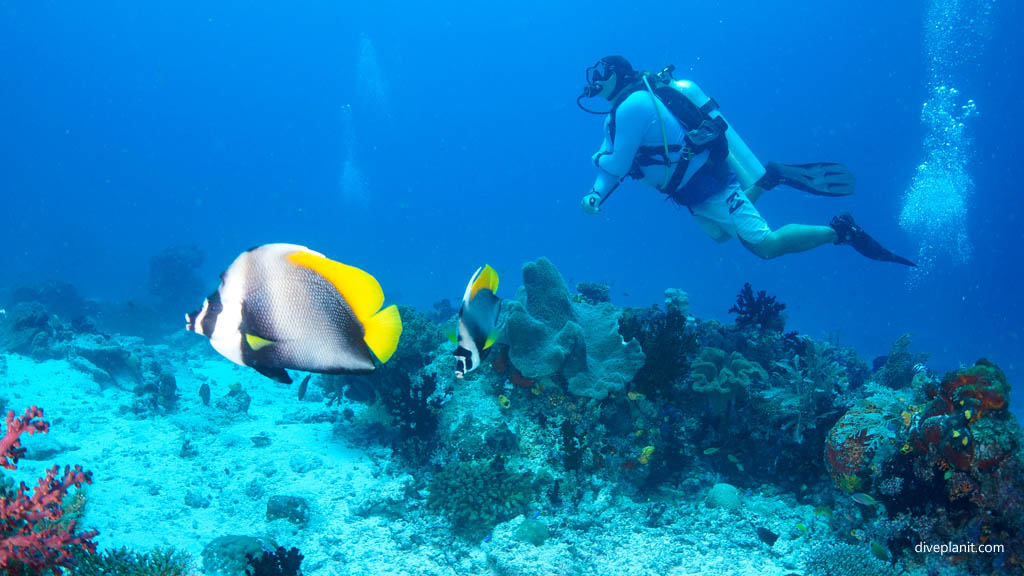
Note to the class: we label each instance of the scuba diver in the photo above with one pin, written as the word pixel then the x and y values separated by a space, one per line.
pixel 668 134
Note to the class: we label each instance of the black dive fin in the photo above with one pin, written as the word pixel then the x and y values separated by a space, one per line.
pixel 852 234
pixel 819 178
pixel 278 374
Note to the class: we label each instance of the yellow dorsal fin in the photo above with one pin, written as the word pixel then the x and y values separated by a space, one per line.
pixel 487 278
pixel 382 332
pixel 358 288
pixel 257 343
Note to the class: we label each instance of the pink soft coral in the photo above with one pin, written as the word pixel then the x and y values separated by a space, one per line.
pixel 31 531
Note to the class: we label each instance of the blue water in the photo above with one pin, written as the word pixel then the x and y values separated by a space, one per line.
pixel 418 142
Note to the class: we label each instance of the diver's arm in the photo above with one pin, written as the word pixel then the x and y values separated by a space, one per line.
pixel 631 118
pixel 615 161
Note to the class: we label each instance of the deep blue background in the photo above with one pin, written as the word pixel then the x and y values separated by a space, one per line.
pixel 127 127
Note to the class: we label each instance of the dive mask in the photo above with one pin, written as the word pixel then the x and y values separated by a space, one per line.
pixel 596 76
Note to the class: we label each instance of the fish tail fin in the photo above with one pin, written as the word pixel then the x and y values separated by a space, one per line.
pixel 491 339
pixel 382 332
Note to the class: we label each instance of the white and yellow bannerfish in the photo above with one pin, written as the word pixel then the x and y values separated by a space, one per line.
pixel 284 306
pixel 478 318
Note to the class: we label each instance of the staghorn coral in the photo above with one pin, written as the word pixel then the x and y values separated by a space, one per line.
pixel 723 376
pixel 125 562
pixel 550 337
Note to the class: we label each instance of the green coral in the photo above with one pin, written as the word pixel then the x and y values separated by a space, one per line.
pixel 124 562
pixel 478 495
pixel 722 376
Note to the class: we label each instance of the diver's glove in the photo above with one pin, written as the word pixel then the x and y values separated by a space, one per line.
pixel 591 203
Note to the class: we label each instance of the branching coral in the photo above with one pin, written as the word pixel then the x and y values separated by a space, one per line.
pixel 808 388
pixel 667 342
pixel 898 370
pixel 125 562
pixel 478 495
pixel 760 311
pixel 403 385
pixel 33 530
pixel 846 560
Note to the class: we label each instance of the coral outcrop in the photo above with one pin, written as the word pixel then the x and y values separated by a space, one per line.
pixel 723 376
pixel 476 496
pixel 550 336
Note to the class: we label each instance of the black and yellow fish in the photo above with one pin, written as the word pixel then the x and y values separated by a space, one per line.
pixel 283 306
pixel 478 318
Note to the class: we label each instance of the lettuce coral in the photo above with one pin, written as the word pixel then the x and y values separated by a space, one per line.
pixel 721 376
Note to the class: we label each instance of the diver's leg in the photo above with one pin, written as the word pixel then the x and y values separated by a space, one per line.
pixel 792 238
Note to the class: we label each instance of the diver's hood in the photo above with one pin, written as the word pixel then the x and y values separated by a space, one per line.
pixel 598 75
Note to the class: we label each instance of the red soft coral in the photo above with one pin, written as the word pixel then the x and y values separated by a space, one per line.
pixel 31 531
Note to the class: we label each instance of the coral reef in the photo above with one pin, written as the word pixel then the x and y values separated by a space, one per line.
pixel 29 329
pixel 58 298
pixel 551 337
pixel 34 532
pixel 597 440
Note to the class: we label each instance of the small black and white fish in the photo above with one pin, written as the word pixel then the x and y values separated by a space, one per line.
pixel 478 318
pixel 284 306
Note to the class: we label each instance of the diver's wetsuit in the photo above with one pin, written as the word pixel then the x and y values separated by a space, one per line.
pixel 725 213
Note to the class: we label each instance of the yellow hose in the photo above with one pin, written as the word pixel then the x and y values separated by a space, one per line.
pixel 664 136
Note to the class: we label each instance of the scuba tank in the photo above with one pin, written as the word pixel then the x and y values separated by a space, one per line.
pixel 741 159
